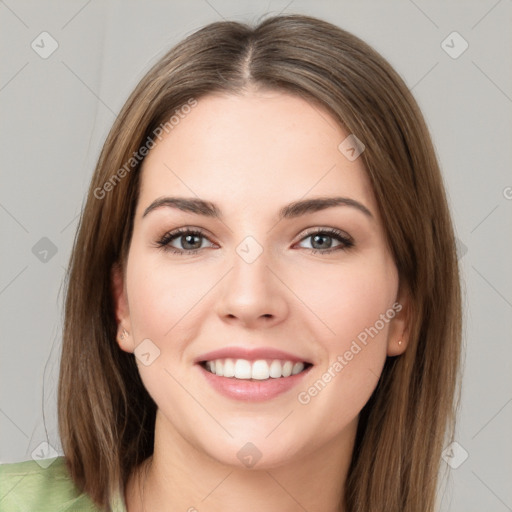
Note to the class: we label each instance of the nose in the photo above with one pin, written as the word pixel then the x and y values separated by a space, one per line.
pixel 251 295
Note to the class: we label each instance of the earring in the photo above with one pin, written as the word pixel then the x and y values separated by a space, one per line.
pixel 399 342
pixel 123 335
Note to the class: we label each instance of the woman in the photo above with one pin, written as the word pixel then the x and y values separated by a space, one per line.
pixel 263 307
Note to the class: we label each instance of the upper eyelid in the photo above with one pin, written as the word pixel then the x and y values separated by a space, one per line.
pixel 330 231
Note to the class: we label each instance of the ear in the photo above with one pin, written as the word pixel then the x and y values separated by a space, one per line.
pixel 398 335
pixel 124 336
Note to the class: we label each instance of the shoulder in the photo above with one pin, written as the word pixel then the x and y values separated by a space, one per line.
pixel 43 486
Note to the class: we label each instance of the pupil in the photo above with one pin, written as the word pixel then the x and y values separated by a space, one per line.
pixel 319 238
pixel 188 241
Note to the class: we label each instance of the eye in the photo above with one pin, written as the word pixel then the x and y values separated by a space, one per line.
pixel 323 240
pixel 190 240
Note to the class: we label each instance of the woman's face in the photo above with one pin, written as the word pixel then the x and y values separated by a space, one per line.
pixel 269 281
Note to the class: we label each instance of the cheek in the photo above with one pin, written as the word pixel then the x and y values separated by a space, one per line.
pixel 347 299
pixel 164 297
pixel 355 303
pixel 164 303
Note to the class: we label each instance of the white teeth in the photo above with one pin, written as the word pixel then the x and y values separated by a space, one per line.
pixel 287 368
pixel 242 369
pixel 229 368
pixel 275 369
pixel 260 369
pixel 297 368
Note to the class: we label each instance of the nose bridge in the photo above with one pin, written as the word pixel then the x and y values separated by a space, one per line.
pixel 250 275
pixel 250 292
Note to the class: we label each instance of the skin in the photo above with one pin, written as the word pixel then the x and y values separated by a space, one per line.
pixel 252 154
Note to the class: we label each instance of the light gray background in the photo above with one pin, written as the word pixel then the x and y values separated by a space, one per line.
pixel 56 112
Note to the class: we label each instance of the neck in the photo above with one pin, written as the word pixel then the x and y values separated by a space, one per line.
pixel 179 476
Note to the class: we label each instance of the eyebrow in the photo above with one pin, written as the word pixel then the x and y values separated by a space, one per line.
pixel 290 211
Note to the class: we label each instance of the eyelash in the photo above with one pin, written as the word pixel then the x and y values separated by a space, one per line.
pixel 346 241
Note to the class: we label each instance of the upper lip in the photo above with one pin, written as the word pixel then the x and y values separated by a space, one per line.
pixel 250 354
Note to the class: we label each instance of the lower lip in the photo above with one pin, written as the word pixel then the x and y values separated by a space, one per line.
pixel 252 390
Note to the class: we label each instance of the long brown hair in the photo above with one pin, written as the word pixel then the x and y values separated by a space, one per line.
pixel 107 418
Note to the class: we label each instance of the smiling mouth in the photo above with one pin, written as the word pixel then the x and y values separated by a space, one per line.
pixel 261 369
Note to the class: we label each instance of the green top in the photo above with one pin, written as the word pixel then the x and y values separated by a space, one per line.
pixel 43 486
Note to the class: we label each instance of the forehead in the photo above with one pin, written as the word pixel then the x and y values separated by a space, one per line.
pixel 253 149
